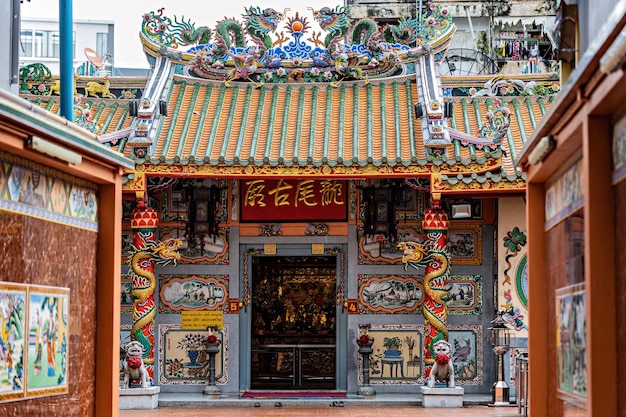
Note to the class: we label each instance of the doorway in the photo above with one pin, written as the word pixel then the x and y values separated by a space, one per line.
pixel 293 330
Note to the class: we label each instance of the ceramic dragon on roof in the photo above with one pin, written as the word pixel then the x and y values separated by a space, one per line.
pixel 391 71
pixel 256 50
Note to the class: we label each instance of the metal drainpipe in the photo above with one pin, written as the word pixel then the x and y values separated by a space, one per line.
pixel 66 73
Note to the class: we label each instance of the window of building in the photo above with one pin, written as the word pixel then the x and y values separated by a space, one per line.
pixel 36 43
pixel 26 43
pixel 102 46
pixel 47 44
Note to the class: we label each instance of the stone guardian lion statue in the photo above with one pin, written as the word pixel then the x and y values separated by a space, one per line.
pixel 442 368
pixel 135 373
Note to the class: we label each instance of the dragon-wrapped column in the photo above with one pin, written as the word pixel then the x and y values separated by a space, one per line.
pixel 434 309
pixel 144 222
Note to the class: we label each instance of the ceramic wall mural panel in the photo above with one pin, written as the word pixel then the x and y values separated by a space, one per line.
pixel 174 207
pixel 184 360
pixel 47 355
pixel 376 250
pixel 390 293
pixel 38 191
pixel 397 354
pixel 465 293
pixel 570 344
pixel 564 195
pixel 206 250
pixel 126 294
pixel 465 244
pixel 13 340
pixel 404 294
pixel 193 292
pixel 127 244
pixel 467 353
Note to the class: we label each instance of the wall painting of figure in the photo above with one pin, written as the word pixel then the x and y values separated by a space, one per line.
pixel 48 326
pixel 12 337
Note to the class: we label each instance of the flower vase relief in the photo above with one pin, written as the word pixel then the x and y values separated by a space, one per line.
pixel 193 345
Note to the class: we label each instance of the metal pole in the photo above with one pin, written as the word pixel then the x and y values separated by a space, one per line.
pixel 15 46
pixel 66 73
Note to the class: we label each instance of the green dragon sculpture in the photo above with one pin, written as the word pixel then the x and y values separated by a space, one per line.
pixel 260 23
pixel 187 34
pixel 226 31
pixel 334 21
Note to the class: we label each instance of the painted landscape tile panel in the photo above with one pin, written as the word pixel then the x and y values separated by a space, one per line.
pixel 192 292
pixel 390 293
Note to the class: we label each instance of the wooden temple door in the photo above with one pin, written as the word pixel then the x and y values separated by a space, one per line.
pixel 293 329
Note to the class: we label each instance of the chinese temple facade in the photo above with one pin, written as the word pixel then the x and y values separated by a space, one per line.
pixel 292 169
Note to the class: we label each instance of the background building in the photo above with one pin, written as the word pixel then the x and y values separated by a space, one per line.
pixel 492 36
pixel 40 42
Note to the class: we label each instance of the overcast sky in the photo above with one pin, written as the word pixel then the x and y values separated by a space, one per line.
pixel 127 15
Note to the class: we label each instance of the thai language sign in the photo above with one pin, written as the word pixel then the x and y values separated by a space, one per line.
pixel 294 200
pixel 201 319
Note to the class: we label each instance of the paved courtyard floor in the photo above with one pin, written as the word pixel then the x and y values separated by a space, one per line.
pixel 385 405
pixel 318 411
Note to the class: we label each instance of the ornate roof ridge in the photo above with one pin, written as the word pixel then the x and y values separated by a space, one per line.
pixel 257 51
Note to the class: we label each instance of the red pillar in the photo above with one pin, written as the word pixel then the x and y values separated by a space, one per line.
pixel 144 222
pixel 434 309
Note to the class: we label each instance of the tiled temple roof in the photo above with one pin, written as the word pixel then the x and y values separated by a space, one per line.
pixel 110 115
pixel 355 124
pixel 350 128
pixel 345 107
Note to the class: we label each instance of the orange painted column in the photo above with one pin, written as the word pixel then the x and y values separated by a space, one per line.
pixel 108 300
pixel 601 326
pixel 538 302
pixel 434 309
pixel 144 222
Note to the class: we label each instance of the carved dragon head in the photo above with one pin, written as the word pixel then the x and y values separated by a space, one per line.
pixel 332 20
pixel 262 21
pixel 413 253
pixel 162 252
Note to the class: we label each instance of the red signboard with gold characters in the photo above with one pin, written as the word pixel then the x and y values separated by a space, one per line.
pixel 293 200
